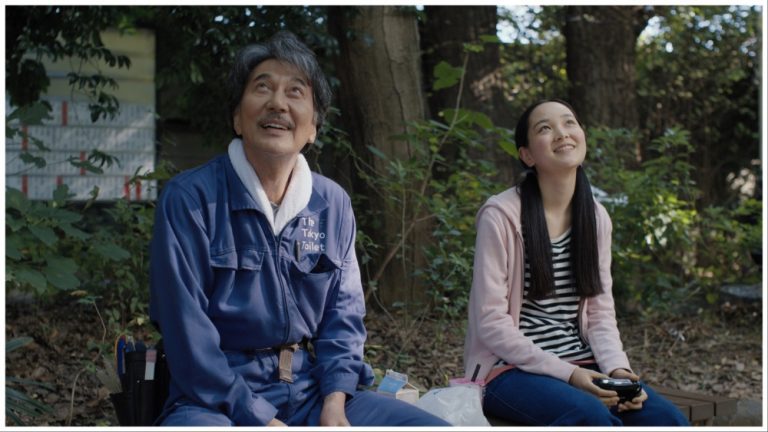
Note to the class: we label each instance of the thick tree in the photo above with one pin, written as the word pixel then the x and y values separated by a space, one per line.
pixel 380 93
pixel 701 72
pixel 484 81
pixel 600 56
pixel 467 24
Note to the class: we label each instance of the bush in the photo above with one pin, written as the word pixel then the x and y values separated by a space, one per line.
pixel 34 231
pixel 666 252
pixel 444 194
pixel 91 251
pixel 463 185
pixel 115 265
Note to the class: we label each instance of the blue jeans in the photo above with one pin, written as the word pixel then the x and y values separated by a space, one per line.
pixel 540 400
pixel 366 408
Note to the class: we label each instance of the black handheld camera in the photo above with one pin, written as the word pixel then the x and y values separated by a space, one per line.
pixel 626 388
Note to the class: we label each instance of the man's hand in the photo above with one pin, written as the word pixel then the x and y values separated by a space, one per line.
pixel 637 402
pixel 276 422
pixel 582 379
pixel 333 413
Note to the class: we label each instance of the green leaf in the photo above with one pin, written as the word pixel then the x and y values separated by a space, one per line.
pixel 16 343
pixel 9 412
pixel 31 277
pixel 71 231
pixel 30 159
pixel 509 147
pixel 61 216
pixel 61 272
pixel 28 382
pixel 12 248
pixel 482 120
pixel 377 152
pixel 99 158
pixel 490 38
pixel 23 402
pixel 712 298
pixel 473 47
pixel 14 223
pixel 446 75
pixel 32 114
pixel 59 264
pixel 38 143
pixel 15 199
pixel 62 194
pixel 461 115
pixel 44 234
pixel 86 164
pixel 111 251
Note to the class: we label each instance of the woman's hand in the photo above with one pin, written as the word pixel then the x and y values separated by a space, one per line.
pixel 333 413
pixel 582 379
pixel 634 404
pixel 637 402
pixel 276 422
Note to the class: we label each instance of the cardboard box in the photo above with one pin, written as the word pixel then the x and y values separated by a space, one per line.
pixel 408 393
pixel 395 384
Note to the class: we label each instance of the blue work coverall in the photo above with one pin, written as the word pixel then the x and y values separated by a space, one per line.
pixel 225 289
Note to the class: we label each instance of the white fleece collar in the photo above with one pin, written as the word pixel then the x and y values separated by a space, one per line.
pixel 296 195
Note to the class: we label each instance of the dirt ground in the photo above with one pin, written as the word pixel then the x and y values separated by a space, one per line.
pixel 721 356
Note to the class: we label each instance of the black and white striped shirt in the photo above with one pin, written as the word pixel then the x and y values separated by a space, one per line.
pixel 553 323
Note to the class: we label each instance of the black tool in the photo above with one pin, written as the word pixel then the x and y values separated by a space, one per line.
pixel 625 387
pixel 145 382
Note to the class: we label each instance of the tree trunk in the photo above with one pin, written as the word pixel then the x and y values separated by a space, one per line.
pixel 600 52
pixel 445 30
pixel 380 93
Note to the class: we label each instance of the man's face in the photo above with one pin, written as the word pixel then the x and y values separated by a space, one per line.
pixel 276 115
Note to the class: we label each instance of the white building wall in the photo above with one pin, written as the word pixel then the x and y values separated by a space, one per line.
pixel 130 136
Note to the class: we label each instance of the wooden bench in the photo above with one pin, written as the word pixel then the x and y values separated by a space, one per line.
pixel 700 409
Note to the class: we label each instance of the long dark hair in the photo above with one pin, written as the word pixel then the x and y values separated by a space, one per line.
pixel 538 247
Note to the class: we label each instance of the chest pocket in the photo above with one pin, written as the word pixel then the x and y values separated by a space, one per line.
pixel 319 263
pixel 247 259
pixel 233 272
pixel 313 278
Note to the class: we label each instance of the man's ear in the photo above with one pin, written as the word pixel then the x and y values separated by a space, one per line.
pixel 236 122
pixel 313 135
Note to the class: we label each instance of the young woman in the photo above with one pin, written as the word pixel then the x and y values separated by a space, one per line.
pixel 541 323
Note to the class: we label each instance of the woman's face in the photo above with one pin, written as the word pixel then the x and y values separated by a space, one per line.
pixel 556 141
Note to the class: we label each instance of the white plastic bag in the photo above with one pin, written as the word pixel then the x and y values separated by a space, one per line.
pixel 459 405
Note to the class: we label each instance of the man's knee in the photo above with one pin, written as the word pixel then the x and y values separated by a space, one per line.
pixel 193 415
pixel 372 409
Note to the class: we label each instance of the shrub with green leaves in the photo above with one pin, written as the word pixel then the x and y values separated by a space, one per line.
pixel 99 252
pixel 446 194
pixel 442 189
pixel 115 264
pixel 34 231
pixel 665 250
pixel 461 186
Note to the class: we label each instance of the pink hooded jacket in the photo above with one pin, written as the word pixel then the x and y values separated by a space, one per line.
pixel 497 296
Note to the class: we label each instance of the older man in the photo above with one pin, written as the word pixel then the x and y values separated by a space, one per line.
pixel 255 283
